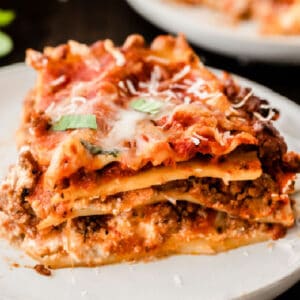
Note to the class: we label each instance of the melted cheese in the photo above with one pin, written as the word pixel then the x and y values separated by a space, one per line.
pixel 124 129
pixel 193 103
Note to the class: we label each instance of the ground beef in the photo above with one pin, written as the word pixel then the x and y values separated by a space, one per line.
pixel 41 269
pixel 90 224
pixel 236 94
pixel 40 123
pixel 272 146
pixel 148 227
pixel 16 187
pixel 230 88
pixel 291 162
pixel 238 190
pixel 245 199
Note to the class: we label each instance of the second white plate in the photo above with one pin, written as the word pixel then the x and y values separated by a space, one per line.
pixel 206 29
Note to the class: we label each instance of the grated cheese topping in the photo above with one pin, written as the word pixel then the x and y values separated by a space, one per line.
pixel 243 101
pixel 194 108
pixel 269 117
pixel 115 52
pixel 59 80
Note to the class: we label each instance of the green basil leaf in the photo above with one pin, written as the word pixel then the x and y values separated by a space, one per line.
pixel 6 44
pixel 6 17
pixel 74 122
pixel 147 106
pixel 95 150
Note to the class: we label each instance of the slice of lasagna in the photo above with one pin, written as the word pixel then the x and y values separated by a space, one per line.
pixel 138 152
pixel 272 16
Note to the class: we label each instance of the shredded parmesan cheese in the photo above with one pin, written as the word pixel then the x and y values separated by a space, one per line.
pixel 269 117
pixel 157 59
pixel 122 86
pixel 243 101
pixel 116 53
pixel 131 87
pixel 181 74
pixel 154 80
pixel 78 99
pixel 265 106
pixel 124 128
pixel 58 81
pixel 187 100
pixel 195 140
pixel 70 107
pixel 200 137
pixel 196 86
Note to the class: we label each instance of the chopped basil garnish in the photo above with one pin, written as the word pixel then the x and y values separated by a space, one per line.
pixel 74 122
pixel 6 17
pixel 147 106
pixel 95 150
pixel 6 43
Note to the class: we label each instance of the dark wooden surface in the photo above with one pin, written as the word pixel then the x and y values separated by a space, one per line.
pixel 50 22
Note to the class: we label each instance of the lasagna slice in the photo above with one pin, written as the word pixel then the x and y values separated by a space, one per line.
pixel 136 152
pixel 273 16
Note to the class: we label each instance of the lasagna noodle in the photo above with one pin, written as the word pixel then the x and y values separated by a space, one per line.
pixel 237 166
pixel 270 206
pixel 260 209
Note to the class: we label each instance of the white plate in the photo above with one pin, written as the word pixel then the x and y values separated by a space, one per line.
pixel 207 29
pixel 252 271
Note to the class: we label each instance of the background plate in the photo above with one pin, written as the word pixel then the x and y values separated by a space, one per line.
pixel 206 29
pixel 262 270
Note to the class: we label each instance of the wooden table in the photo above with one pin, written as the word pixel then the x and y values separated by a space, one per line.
pixel 51 22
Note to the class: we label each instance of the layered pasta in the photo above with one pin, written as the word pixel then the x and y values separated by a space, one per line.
pixel 137 152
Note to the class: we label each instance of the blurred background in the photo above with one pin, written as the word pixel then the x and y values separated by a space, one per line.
pixel 40 23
